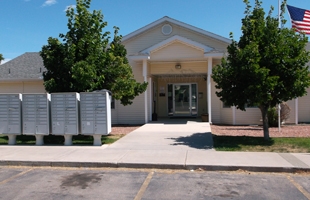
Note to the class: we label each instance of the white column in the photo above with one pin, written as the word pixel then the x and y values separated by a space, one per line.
pixel 150 86
pixel 209 87
pixel 146 92
pixel 296 111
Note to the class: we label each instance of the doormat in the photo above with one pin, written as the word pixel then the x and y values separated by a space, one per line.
pixel 183 117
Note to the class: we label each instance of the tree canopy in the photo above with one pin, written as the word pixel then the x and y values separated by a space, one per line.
pixel 1 58
pixel 266 66
pixel 87 59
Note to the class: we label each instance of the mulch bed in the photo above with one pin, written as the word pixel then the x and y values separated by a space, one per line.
pixel 257 131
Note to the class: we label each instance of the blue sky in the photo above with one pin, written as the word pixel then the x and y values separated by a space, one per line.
pixel 25 25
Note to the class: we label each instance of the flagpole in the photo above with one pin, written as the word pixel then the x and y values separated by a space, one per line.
pixel 279 105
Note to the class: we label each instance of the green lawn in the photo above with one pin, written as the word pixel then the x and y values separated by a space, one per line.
pixel 59 140
pixel 258 144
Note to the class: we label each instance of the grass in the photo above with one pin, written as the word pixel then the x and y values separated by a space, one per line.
pixel 221 143
pixel 59 140
pixel 258 144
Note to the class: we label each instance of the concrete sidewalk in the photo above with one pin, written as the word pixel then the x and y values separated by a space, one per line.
pixel 182 145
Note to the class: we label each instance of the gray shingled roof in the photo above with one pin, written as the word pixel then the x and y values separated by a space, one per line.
pixel 26 66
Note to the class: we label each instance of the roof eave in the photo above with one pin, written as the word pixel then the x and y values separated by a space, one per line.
pixel 138 57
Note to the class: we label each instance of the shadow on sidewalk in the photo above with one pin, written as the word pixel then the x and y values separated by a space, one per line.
pixel 196 140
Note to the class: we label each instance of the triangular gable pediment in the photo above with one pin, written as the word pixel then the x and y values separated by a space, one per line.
pixel 176 51
pixel 178 23
pixel 174 39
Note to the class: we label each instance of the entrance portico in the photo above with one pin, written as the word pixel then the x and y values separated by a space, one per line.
pixel 176 59
pixel 178 87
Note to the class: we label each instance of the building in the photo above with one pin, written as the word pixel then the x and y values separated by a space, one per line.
pixel 176 59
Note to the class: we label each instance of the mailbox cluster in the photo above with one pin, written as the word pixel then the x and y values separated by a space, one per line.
pixel 64 114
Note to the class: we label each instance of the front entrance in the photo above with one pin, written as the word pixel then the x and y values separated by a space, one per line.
pixel 182 99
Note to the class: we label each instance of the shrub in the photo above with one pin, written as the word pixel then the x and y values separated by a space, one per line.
pixel 272 117
pixel 273 114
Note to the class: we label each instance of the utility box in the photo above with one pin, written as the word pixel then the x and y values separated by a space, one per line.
pixel 95 116
pixel 35 115
pixel 65 115
pixel 10 116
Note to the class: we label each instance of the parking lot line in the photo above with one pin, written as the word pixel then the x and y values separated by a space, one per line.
pixel 144 186
pixel 299 187
pixel 15 176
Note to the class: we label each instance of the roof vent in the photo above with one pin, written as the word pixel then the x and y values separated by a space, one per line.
pixel 166 29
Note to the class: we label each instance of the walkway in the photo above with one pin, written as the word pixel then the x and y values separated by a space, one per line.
pixel 165 144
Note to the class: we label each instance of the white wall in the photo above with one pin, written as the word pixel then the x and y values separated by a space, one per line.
pixel 22 87
pixel 304 108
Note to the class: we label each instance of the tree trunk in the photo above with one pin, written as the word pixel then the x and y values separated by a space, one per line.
pixel 264 110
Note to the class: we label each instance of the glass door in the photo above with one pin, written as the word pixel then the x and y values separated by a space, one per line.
pixel 194 102
pixel 182 99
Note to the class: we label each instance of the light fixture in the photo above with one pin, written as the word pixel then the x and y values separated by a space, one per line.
pixel 178 66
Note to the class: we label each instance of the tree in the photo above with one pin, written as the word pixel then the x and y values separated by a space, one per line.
pixel 266 67
pixel 1 58
pixel 86 59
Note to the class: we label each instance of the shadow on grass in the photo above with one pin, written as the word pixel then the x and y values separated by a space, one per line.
pixel 235 143
pixel 196 140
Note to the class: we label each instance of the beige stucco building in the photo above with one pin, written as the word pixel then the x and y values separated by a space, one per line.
pixel 176 59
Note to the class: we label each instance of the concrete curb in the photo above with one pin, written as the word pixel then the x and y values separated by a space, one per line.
pixel 152 166
pixel 249 168
pixel 57 164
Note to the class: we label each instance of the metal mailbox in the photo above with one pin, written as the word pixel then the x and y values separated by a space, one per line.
pixel 35 116
pixel 10 116
pixel 64 113
pixel 95 118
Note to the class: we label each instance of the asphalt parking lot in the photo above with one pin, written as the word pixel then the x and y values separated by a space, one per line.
pixel 105 183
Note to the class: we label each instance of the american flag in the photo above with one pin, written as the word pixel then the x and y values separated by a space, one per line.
pixel 300 19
